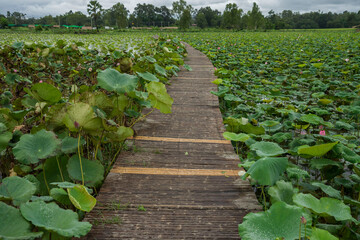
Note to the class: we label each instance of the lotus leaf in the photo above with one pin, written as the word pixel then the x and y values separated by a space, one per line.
pixel 121 134
pixel 317 150
pixel 17 189
pixel 280 221
pixel 93 170
pixel 267 149
pixel 53 218
pixel 236 137
pixel 325 206
pixel 81 116
pixel 295 172
pixel 320 234
pixel 70 144
pixel 13 226
pixel 159 97
pixel 33 147
pixel 148 76
pixel 267 170
pixel 332 192
pixel 54 171
pixel 160 70
pixel 45 92
pixel 312 119
pixel 60 195
pixel 111 80
pixel 282 191
pixel 5 138
pixel 81 199
pixel 346 153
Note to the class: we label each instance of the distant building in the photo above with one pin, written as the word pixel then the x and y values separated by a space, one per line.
pixel 86 28
pixel 31 26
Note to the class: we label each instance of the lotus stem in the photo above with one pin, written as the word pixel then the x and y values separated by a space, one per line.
pixel 81 168
pixel 264 197
pixel 300 230
pixel 98 144
pixel 113 160
pixel 47 186
pixel 62 177
pixel 142 117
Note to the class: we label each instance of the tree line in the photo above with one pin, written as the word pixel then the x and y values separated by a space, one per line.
pixel 184 15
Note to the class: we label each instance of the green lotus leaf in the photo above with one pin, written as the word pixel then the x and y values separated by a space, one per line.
pixel 312 119
pixel 5 138
pixel 324 206
pixel 217 81
pixel 93 170
pixel 53 218
pixel 45 92
pixel 60 195
pixel 346 153
pixel 232 98
pixel 267 170
pixel 325 101
pixel 281 137
pixel 70 144
pixel 317 150
pixel 81 116
pixel 81 199
pixel 111 80
pixel 332 192
pixel 236 137
pixel 54 171
pixel 250 129
pixel 160 70
pixel 159 97
pixel 17 189
pixel 266 225
pixel 267 149
pixel 269 123
pixel 320 234
pixel 282 191
pixel 343 125
pixel 295 172
pixel 323 162
pixel 121 134
pixel 33 147
pixel 13 226
pixel 148 76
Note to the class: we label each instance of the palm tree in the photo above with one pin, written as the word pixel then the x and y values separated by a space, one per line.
pixel 94 9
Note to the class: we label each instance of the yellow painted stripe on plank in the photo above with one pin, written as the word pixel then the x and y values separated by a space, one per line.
pixel 164 139
pixel 177 172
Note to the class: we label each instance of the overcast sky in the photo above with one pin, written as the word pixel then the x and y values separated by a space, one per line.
pixel 39 8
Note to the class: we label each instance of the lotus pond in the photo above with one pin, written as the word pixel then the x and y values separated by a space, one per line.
pixel 66 106
pixel 291 107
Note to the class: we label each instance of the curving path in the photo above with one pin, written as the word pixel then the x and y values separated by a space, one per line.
pixel 181 179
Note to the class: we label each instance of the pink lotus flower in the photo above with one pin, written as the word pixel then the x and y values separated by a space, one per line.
pixel 303 220
pixel 90 69
pixel 218 48
pixel 319 60
pixel 59 72
pixel 118 64
pixel 321 127
pixel 346 60
pixel 322 133
pixel 15 70
pixel 303 132
pixel 265 63
pixel 40 81
pixel 215 69
pixel 301 72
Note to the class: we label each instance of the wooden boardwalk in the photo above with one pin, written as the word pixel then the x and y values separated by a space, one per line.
pixel 181 179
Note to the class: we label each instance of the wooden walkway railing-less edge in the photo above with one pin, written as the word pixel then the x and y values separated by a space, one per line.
pixel 181 179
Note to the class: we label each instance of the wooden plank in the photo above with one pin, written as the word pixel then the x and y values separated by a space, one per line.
pixel 179 172
pixel 179 140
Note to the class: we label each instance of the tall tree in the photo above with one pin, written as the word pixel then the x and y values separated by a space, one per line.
pixel 185 19
pixel 201 20
pixel 145 14
pixel 232 16
pixel 213 17
pixel 179 7
pixel 255 19
pixel 94 9
pixel 117 15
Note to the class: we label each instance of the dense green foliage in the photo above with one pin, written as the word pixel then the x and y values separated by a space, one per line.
pixel 291 106
pixel 66 107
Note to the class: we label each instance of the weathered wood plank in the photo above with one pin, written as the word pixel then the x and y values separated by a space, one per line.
pixel 180 181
